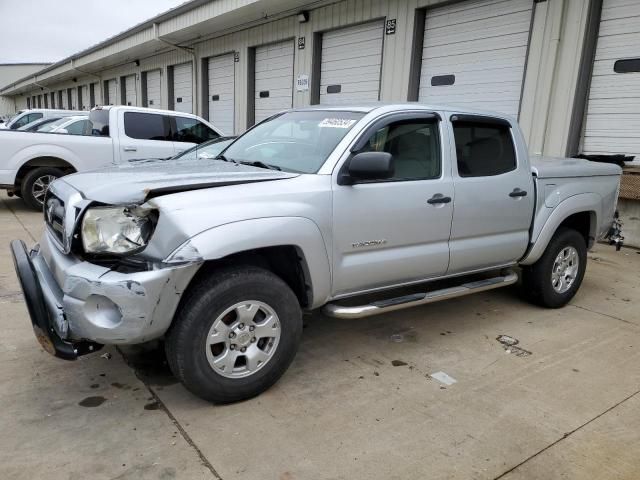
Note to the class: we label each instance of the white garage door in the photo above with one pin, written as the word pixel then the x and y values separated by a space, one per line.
pixel 64 103
pixel 85 103
pixel 130 93
pixel 351 63
pixel 222 92
pixel 274 79
pixel 474 54
pixel 74 99
pixel 112 93
pixel 153 89
pixel 183 88
pixel 613 112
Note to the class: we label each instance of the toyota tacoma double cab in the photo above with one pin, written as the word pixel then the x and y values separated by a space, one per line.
pixel 30 161
pixel 356 211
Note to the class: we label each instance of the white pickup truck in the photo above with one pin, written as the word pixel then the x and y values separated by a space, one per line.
pixel 30 161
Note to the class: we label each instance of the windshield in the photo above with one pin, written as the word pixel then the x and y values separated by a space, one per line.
pixel 207 150
pixel 294 141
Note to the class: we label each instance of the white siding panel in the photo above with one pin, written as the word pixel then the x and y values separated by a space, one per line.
pixel 130 91
pixel 484 44
pixel 183 88
pixel 153 89
pixel 612 123
pixel 351 61
pixel 221 74
pixel 274 74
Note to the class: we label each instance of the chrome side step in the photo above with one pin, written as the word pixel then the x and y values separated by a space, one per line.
pixel 413 300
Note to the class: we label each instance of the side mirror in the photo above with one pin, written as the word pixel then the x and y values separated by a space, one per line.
pixel 369 166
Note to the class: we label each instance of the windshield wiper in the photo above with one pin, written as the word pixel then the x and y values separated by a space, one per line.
pixel 221 156
pixel 259 164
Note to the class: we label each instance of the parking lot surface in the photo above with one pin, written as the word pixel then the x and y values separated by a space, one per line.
pixel 359 401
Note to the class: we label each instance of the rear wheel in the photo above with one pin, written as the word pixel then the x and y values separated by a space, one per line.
pixel 556 277
pixel 36 183
pixel 235 334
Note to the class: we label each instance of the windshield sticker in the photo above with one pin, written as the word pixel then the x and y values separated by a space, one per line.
pixel 336 123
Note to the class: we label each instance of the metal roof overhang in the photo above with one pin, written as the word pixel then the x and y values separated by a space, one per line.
pixel 182 26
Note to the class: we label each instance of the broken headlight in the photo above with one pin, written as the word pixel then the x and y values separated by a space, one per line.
pixel 116 230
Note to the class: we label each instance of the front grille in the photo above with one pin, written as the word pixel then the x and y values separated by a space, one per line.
pixel 54 216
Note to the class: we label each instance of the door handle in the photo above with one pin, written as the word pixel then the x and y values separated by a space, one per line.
pixel 438 198
pixel 518 193
pixel 130 149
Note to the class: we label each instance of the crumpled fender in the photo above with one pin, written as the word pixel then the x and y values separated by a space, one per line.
pixel 584 202
pixel 236 237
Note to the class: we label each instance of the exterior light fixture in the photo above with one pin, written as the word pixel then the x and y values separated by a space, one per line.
pixel 303 17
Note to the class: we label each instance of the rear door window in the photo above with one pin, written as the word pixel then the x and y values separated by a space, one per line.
pixel 191 130
pixel 146 126
pixel 483 148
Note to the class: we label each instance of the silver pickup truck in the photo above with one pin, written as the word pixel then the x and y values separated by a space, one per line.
pixel 358 211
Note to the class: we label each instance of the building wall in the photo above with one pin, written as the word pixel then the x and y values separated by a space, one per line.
pixel 551 72
pixel 10 73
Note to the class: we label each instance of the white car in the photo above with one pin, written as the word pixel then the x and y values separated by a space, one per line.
pixel 76 125
pixel 23 117
pixel 30 161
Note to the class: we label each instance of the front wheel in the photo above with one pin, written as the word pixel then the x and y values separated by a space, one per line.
pixel 36 183
pixel 235 334
pixel 556 277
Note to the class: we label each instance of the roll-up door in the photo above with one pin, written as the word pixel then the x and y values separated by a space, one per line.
pixel 350 64
pixel 183 88
pixel 85 103
pixel 153 89
pixel 112 93
pixel 130 94
pixel 612 123
pixel 62 97
pixel 74 99
pixel 222 92
pixel 273 79
pixel 474 54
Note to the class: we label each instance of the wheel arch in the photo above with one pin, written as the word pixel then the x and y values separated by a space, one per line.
pixel 43 161
pixel 580 213
pixel 290 247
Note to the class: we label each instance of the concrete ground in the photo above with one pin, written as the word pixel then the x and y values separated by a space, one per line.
pixel 358 401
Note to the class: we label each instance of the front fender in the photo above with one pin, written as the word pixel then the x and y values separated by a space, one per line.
pixel 237 237
pixel 584 202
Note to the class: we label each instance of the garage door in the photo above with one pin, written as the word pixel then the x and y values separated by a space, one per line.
pixel 351 63
pixel 74 99
pixel 85 102
pixel 474 54
pixel 222 92
pixel 183 88
pixel 153 89
pixel 112 93
pixel 613 112
pixel 274 79
pixel 130 94
pixel 62 97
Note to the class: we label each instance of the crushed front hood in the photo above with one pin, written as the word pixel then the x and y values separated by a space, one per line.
pixel 130 183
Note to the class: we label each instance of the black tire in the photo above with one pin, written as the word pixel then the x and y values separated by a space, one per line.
pixel 29 183
pixel 204 303
pixel 537 279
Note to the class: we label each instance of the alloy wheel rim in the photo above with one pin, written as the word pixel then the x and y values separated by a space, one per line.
pixel 40 187
pixel 565 269
pixel 243 339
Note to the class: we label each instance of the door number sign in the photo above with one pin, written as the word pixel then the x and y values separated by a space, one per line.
pixel 390 27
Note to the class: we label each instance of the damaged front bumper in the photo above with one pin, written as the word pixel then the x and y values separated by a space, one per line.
pixel 76 306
